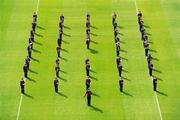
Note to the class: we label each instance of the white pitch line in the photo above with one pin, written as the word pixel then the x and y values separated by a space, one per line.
pixel 135 3
pixel 156 98
pixel 21 98
pixel 159 109
pixel 37 6
pixel 19 108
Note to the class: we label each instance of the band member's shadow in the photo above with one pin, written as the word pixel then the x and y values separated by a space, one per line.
pixel 161 93
pixel 38 43
pixel 66 42
pixel 94 94
pixel 146 26
pixel 66 35
pixel 64 50
pixel 150 42
pixel 156 59
pixel 39 27
pixel 62 58
pixel 123 58
pixel 94 27
pixel 125 51
pixel 96 109
pixel 93 51
pixel 33 71
pixel 38 35
pixel 126 78
pixel 121 34
pixel 93 78
pixel 66 27
pixel 30 79
pixel 157 70
pixel 36 51
pixel 34 59
pixel 94 42
pixel 127 94
pixel 65 80
pixel 122 42
pixel 151 50
pixel 61 94
pixel 92 71
pixel 29 96
pixel 63 71
pixel 120 27
pixel 125 71
pixel 93 34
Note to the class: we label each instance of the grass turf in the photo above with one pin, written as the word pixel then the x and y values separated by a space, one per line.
pixel 161 18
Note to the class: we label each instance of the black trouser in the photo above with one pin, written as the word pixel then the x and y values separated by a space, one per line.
pixel 146 52
pixel 22 89
pixel 87 86
pixel 29 54
pixel 34 28
pixel 150 71
pixel 25 74
pixel 117 52
pixel 27 65
pixel 87 72
pixel 120 72
pixel 57 74
pixel 121 88
pixel 155 87
pixel 88 100
pixel 58 53
pixel 87 43
pixel 56 88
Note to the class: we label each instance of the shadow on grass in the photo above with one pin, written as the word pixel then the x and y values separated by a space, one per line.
pixel 39 27
pixel 121 34
pixel 93 78
pixel 94 94
pixel 94 42
pixel 29 96
pixel 92 71
pixel 122 42
pixel 96 109
pixel 36 51
pixel 38 35
pixel 66 35
pixel 126 78
pixel 94 27
pixel 30 79
pixel 62 58
pixel 156 59
pixel 65 42
pixel 61 94
pixel 93 51
pixel 63 71
pixel 34 59
pixel 32 71
pixel 146 26
pixel 65 80
pixel 38 43
pixel 93 34
pixel 125 93
pixel 161 93
pixel 125 71
pixel 151 50
pixel 64 50
pixel 157 71
pixel 66 27
pixel 124 58
pixel 120 27
pixel 125 51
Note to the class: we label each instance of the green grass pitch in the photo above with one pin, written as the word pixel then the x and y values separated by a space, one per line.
pixel 161 18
